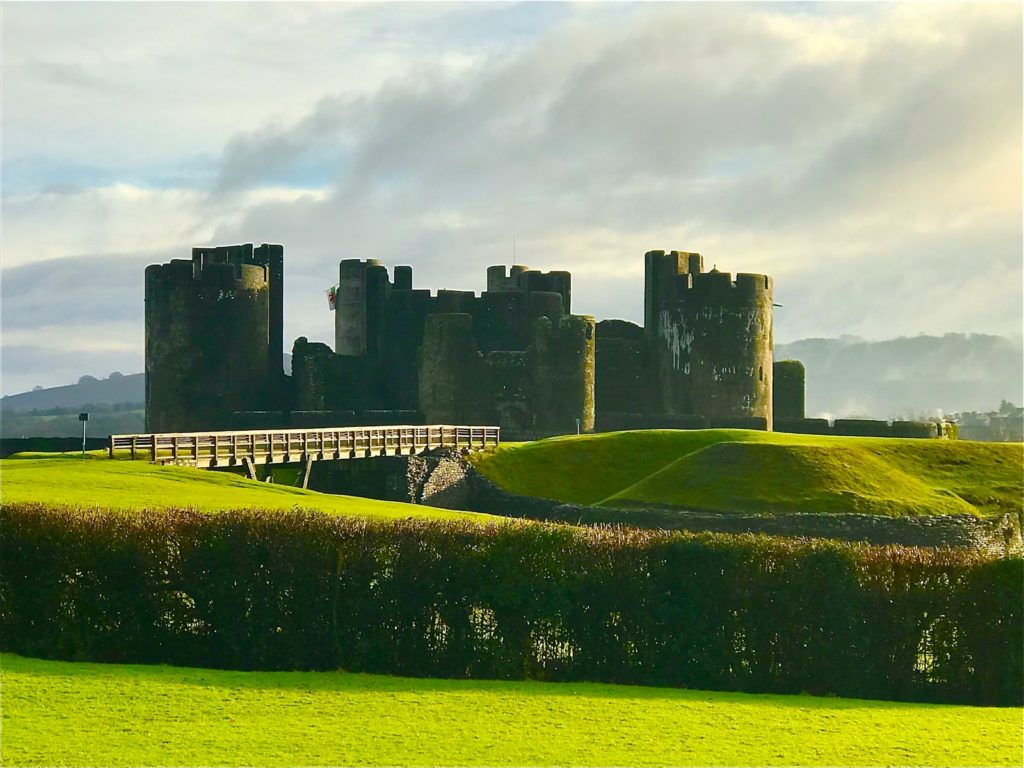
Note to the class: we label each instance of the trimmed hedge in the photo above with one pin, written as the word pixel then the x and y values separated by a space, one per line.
pixel 302 590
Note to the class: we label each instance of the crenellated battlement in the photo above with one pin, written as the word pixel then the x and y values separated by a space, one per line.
pixel 521 279
pixel 715 284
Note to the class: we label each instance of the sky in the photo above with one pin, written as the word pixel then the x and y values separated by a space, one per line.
pixel 868 156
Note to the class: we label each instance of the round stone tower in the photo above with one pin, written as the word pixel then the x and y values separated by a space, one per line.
pixel 717 351
pixel 561 364
pixel 208 339
pixel 711 337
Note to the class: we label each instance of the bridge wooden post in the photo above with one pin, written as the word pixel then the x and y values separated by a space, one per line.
pixel 307 472
pixel 250 468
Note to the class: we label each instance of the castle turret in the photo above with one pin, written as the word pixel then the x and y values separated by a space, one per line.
pixel 213 336
pixel 788 390
pixel 661 271
pixel 359 306
pixel 561 362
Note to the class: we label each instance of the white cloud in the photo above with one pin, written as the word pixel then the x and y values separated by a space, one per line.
pixel 123 218
pixel 868 156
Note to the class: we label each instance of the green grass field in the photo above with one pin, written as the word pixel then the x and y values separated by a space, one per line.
pixel 115 484
pixel 59 713
pixel 764 472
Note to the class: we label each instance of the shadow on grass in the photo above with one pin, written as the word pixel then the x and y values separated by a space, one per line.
pixel 362 683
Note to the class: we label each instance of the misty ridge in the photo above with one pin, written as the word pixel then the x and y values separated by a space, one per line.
pixel 909 377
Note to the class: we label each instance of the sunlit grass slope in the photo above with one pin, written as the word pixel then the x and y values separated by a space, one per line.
pixel 762 472
pixel 114 484
pixel 58 713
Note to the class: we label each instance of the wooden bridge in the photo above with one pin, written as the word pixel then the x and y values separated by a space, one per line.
pixel 248 448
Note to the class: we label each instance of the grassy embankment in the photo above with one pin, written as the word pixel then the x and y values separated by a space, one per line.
pixel 764 472
pixel 125 485
pixel 59 713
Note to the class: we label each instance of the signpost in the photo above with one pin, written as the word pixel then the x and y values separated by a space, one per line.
pixel 83 417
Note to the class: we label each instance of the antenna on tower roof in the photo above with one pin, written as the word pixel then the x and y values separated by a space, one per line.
pixel 513 250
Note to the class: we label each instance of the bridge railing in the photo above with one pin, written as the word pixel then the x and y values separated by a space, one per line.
pixel 281 446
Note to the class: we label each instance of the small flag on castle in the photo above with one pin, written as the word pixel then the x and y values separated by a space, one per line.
pixel 332 294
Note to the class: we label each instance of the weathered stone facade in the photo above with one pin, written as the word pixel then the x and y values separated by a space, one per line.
pixel 513 355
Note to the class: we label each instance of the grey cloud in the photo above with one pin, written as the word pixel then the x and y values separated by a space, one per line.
pixel 676 126
pixel 250 158
pixel 76 291
pixel 725 131
pixel 73 76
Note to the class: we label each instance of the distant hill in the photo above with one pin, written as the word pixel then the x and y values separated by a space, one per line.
pixel 909 376
pixel 89 390
pixel 117 389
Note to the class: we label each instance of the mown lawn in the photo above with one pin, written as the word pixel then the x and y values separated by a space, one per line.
pixel 59 713
pixel 117 484
pixel 764 472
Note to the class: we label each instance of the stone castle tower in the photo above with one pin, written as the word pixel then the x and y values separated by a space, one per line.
pixel 702 358
pixel 712 337
pixel 214 333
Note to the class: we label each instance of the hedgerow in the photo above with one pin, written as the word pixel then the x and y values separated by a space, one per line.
pixel 302 590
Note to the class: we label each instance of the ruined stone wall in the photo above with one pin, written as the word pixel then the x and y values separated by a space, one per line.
pixel 324 381
pixel 508 386
pixel 862 428
pixel 209 349
pixel 623 376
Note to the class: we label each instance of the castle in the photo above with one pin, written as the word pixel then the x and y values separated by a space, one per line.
pixel 514 355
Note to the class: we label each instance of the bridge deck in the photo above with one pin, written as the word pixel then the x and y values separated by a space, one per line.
pixel 262 446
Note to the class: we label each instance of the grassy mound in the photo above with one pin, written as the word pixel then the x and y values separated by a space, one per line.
pixel 96 481
pixel 761 472
pixel 59 713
